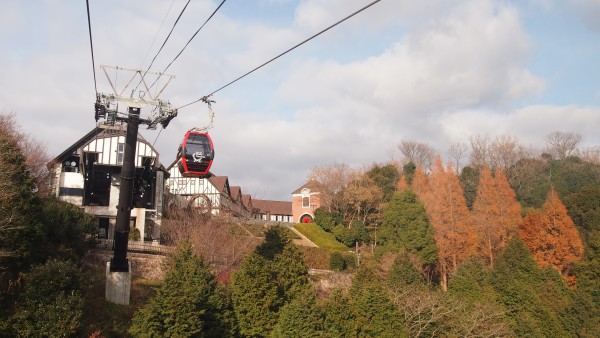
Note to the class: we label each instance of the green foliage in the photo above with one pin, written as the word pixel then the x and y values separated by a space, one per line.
pixel 537 300
pixel 318 236
pixel 409 170
pixel 469 180
pixel 134 234
pixel 341 262
pixel 584 209
pixel 20 229
pixel 275 241
pixel 337 262
pixel 188 303
pixel 268 279
pixel 301 317
pixel 344 235
pixel 405 226
pixel 403 273
pixel 69 230
pixel 386 178
pixel 374 313
pixel 473 282
pixel 324 219
pixel 536 177
pixel 360 231
pixel 339 317
pixel 51 303
pixel 255 298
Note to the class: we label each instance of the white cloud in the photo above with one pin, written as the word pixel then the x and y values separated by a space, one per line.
pixel 441 71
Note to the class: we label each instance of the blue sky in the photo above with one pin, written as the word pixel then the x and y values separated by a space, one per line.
pixel 433 71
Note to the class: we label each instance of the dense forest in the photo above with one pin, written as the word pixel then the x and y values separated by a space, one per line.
pixel 506 245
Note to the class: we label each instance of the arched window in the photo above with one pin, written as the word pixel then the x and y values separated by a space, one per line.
pixel 305 198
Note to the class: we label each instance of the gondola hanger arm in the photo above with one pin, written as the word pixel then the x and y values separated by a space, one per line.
pixel 211 114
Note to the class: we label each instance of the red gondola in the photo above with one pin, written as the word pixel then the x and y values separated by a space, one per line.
pixel 195 154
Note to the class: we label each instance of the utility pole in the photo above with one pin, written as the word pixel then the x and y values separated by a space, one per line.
pixel 118 270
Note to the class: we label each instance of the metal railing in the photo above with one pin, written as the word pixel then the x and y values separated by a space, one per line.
pixel 150 248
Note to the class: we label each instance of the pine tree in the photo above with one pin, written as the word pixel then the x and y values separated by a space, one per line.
pixel 552 237
pixel 496 213
pixel 188 303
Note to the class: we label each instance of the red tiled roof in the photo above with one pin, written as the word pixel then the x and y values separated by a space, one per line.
pixel 312 185
pixel 236 192
pixel 272 207
pixel 220 182
pixel 247 201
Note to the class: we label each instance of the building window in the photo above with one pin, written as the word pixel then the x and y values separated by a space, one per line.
pixel 120 152
pixel 305 198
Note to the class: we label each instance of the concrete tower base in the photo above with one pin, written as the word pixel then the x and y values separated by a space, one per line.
pixel 118 286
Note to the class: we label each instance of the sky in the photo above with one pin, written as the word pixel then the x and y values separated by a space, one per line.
pixel 432 71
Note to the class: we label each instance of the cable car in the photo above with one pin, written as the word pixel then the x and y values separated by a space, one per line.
pixel 195 154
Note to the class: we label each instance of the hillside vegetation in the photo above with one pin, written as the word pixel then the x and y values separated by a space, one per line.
pixel 508 245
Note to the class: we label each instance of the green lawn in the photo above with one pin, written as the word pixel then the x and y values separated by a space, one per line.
pixel 320 237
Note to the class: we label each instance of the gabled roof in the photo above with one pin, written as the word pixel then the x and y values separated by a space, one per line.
pixel 272 207
pixel 247 201
pixel 312 185
pixel 221 183
pixel 101 131
pixel 236 192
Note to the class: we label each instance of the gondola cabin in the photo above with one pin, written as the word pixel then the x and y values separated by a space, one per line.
pixel 195 154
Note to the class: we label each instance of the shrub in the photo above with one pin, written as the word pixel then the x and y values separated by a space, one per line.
pixel 337 261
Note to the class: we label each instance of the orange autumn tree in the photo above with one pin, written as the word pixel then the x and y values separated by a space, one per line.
pixel 402 184
pixel 496 213
pixel 449 215
pixel 552 237
pixel 420 185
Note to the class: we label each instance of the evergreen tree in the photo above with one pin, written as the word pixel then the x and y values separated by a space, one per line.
pixel 473 282
pixel 405 226
pixel 324 219
pixel 189 303
pixel 301 317
pixel 469 180
pixel 374 313
pixel 268 279
pixel 69 230
pixel 338 316
pixel 386 177
pixel 51 302
pixel 537 300
pixel 408 170
pixel 20 227
pixel 403 273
